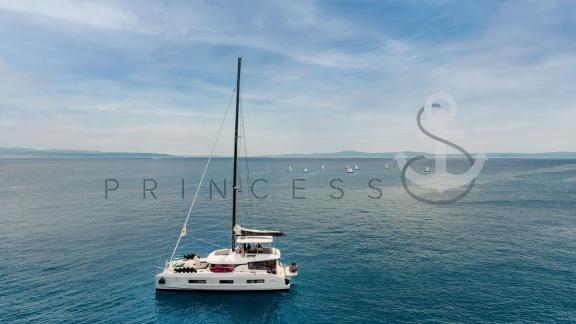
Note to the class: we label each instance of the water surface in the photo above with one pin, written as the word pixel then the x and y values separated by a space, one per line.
pixel 506 252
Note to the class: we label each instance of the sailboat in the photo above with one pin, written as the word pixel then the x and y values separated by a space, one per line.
pixel 356 168
pixel 427 169
pixel 290 169
pixel 386 166
pixel 250 263
pixel 349 169
pixel 305 170
pixel 323 167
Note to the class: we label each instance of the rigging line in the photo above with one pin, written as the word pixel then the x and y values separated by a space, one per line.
pixel 164 248
pixel 249 194
pixel 216 245
pixel 183 230
pixel 241 207
pixel 244 142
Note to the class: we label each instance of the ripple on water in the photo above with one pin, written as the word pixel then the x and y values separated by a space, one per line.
pixel 506 252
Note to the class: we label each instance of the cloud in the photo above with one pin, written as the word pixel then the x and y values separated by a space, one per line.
pixel 318 76
pixel 97 14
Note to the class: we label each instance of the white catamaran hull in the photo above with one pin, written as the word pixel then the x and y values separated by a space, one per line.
pixel 221 281
pixel 251 263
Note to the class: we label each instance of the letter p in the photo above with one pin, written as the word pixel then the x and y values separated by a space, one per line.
pixel 107 188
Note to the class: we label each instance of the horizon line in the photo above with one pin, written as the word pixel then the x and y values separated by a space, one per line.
pixel 28 150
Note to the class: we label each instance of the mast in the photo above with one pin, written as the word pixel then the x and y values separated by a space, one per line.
pixel 234 185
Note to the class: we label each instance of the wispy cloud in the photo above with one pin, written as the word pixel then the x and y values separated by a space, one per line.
pixel 94 13
pixel 319 75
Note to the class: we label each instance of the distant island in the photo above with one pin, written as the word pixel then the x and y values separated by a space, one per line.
pixel 390 155
pixel 18 152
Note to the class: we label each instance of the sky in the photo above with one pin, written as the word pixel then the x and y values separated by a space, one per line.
pixel 318 76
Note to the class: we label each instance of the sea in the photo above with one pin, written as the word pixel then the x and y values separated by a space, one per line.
pixel 82 239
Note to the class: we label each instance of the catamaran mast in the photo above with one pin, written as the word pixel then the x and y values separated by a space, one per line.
pixel 234 186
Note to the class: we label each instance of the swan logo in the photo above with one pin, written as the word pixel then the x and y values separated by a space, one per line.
pixel 439 116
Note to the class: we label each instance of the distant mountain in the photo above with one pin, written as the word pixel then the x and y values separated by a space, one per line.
pixel 346 154
pixel 17 152
pixel 390 155
pixel 570 155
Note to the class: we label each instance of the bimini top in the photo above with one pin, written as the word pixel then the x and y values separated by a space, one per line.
pixel 240 231
pixel 254 239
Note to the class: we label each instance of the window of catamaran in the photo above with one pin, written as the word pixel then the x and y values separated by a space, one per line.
pixel 258 245
pixel 269 266
pixel 197 281
pixel 255 281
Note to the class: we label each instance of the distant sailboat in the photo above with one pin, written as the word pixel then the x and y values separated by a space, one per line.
pixel 427 169
pixel 323 168
pixel 290 169
pixel 305 170
pixel 349 169
pixel 356 168
pixel 386 167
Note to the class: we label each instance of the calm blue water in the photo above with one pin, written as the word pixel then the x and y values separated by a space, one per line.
pixel 507 252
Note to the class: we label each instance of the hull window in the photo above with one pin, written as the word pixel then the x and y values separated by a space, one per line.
pixel 269 266
pixel 255 281
pixel 196 281
pixel 226 281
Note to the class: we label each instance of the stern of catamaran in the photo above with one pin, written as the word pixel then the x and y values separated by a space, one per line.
pixel 251 242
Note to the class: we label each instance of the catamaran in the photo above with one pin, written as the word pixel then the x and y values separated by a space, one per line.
pixel 251 263
pixel 349 169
